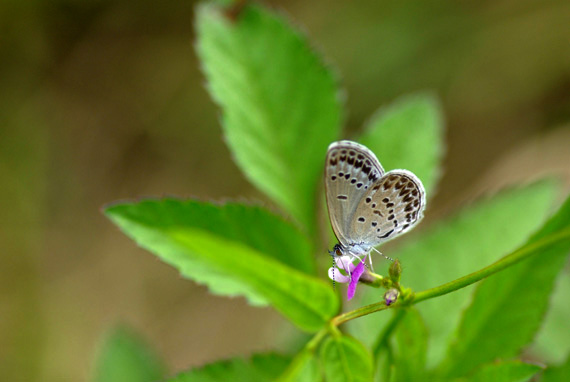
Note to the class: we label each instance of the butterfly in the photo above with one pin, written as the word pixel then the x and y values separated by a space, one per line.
pixel 366 206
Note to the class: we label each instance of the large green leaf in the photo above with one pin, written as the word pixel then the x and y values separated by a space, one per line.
pixel 408 134
pixel 126 358
pixel 280 104
pixel 511 371
pixel 463 243
pixel 557 374
pixel 235 250
pixel 251 225
pixel 260 368
pixel 553 340
pixel 410 348
pixel 508 307
pixel 345 359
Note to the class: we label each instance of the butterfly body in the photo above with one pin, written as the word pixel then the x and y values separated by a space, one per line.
pixel 366 205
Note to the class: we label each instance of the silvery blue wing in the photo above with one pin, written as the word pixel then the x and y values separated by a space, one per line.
pixel 367 206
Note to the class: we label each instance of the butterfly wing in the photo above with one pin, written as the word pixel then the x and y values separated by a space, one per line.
pixel 351 170
pixel 394 204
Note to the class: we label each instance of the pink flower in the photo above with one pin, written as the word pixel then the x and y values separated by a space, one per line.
pixel 354 271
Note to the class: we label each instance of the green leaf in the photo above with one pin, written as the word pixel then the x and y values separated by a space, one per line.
pixel 408 134
pixel 410 348
pixel 303 368
pixel 251 225
pixel 553 340
pixel 235 250
pixel 346 359
pixel 557 374
pixel 512 371
pixel 507 308
pixel 125 358
pixel 461 244
pixel 280 104
pixel 260 368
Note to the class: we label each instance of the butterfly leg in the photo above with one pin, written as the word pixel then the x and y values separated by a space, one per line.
pixel 370 261
pixel 387 257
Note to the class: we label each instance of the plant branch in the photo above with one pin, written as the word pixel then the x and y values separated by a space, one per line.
pixel 382 339
pixel 507 261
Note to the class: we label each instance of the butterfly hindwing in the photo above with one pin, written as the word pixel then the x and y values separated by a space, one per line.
pixel 393 205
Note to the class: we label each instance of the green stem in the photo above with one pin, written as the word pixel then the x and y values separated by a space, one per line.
pixel 376 307
pixel 300 359
pixel 314 342
pixel 382 340
pixel 497 266
pixel 462 282
pixel 507 261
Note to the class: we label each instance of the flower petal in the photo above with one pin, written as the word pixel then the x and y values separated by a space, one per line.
pixel 337 276
pixel 355 276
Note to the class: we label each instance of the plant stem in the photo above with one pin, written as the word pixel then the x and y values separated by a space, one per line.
pixel 301 358
pixel 507 261
pixel 317 338
pixel 382 339
pixel 376 307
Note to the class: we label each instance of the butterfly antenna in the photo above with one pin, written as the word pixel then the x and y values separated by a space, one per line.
pixel 388 257
pixel 333 268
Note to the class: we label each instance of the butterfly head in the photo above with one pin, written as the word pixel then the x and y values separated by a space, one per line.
pixel 337 251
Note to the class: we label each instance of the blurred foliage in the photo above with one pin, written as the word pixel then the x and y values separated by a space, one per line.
pixel 103 99
pixel 124 357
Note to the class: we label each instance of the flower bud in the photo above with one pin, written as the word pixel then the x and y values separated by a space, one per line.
pixel 391 296
pixel 395 271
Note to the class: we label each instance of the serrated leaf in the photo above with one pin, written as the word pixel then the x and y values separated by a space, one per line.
pixel 410 347
pixel 260 368
pixel 558 373
pixel 408 134
pixel 512 371
pixel 508 307
pixel 470 240
pixel 279 102
pixel 235 250
pixel 124 357
pixel 553 340
pixel 346 359
pixel 303 368
pixel 251 225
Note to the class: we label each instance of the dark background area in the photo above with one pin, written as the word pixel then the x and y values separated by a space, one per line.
pixel 102 100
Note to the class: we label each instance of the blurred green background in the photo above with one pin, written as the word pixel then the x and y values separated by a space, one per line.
pixel 103 100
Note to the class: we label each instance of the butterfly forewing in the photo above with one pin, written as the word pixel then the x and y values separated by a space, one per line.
pixel 351 170
pixel 393 205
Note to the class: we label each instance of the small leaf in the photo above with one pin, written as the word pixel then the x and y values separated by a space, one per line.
pixel 410 348
pixel 280 103
pixel 507 308
pixel 260 368
pixel 346 359
pixel 408 134
pixel 303 368
pixel 553 340
pixel 558 373
pixel 235 250
pixel 512 371
pixel 466 242
pixel 126 358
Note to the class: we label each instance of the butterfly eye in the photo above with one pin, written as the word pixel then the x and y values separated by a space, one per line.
pixel 338 250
